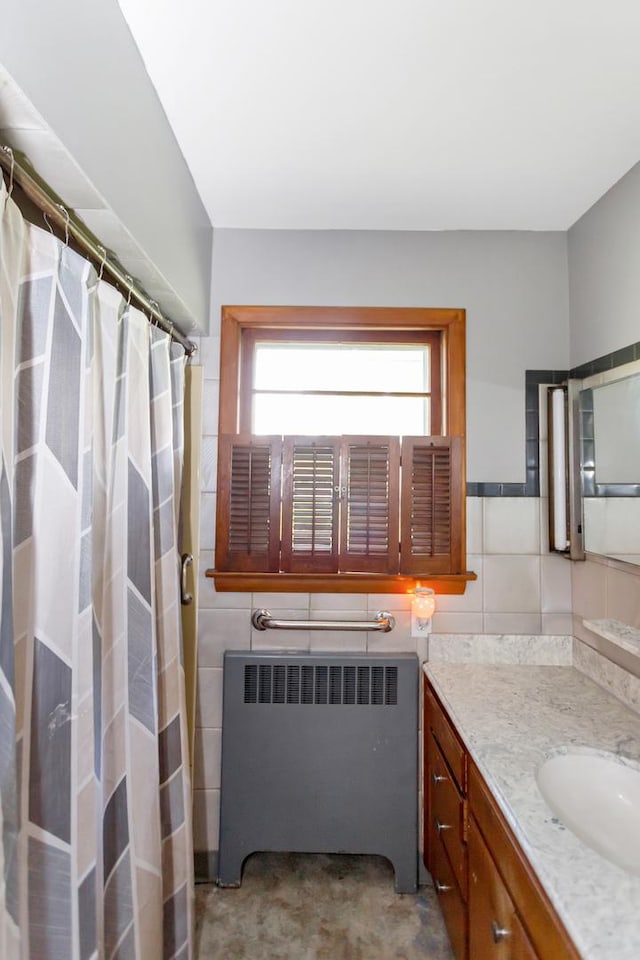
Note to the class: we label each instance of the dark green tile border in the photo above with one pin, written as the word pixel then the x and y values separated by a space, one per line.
pixel 607 362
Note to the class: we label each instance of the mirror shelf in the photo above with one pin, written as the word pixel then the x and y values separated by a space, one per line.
pixel 621 634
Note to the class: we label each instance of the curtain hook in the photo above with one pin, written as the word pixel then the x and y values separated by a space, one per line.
pixel 152 318
pixel 11 169
pixel 103 261
pixel 46 220
pixel 65 213
pixel 129 280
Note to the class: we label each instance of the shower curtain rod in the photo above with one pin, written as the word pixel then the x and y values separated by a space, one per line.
pixel 43 197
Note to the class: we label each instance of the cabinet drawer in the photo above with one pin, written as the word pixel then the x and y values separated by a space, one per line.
pixel 447 814
pixel 495 932
pixel 451 747
pixel 450 901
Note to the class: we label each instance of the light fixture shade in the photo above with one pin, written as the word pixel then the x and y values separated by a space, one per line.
pixel 558 470
pixel 423 604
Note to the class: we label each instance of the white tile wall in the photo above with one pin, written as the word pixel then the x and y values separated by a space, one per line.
pixel 556 584
pixel 206 819
pixel 209 697
pixel 331 612
pixel 207 753
pixel 511 525
pixel 511 584
pixel 449 622
pixel 281 601
pixel 337 641
pixel 513 623
pixel 589 590
pixel 623 595
pixel 556 624
pixel 388 601
pixel 220 630
pixel 211 600
pixel 471 599
pixel 338 601
pixel 475 525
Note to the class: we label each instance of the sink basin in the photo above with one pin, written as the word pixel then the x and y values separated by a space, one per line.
pixel 597 796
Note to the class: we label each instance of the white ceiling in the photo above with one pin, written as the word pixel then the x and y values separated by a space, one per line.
pixel 397 114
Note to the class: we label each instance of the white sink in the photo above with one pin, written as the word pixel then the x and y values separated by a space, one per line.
pixel 597 796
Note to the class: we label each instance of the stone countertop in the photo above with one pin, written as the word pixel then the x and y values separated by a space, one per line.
pixel 511 718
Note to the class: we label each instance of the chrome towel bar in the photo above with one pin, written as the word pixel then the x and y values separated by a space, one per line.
pixel 262 620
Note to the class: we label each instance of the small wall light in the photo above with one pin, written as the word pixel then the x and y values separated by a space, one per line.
pixel 558 469
pixel 423 607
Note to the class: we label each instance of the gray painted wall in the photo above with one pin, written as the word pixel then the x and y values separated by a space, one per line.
pixel 604 277
pixel 78 64
pixel 513 286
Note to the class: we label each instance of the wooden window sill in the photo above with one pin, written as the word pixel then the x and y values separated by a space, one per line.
pixel 335 582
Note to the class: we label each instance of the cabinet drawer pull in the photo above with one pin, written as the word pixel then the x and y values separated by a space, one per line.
pixel 441 887
pixel 441 826
pixel 498 933
pixel 438 778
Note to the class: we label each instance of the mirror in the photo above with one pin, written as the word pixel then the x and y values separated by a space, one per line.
pixel 610 461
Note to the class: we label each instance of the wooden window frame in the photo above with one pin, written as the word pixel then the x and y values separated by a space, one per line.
pixel 412 322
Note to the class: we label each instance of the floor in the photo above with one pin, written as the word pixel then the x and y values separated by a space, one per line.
pixel 318 907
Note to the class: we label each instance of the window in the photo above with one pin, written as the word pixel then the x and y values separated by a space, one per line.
pixel 334 382
pixel 341 449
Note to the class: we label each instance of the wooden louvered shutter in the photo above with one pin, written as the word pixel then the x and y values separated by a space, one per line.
pixel 248 530
pixel 369 529
pixel 431 505
pixel 310 505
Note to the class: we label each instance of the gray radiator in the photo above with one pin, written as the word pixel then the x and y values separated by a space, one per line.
pixel 319 755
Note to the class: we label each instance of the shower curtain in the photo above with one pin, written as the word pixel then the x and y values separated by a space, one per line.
pixel 95 831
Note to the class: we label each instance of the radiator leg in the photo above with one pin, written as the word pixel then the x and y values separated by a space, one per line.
pixel 405 874
pixel 230 865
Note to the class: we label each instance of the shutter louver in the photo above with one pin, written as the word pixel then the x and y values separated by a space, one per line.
pixel 370 505
pixel 310 505
pixel 430 538
pixel 250 502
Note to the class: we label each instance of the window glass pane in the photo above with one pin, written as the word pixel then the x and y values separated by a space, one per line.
pixel 333 416
pixel 337 366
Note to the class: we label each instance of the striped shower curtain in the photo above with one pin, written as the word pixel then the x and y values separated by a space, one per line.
pixel 95 831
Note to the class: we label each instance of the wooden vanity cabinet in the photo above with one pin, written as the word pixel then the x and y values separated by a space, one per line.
pixel 445 820
pixel 493 903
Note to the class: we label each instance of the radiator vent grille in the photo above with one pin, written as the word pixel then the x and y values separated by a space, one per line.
pixel 320 684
